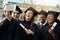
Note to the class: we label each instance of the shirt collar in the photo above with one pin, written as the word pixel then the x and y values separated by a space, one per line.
pixel 43 23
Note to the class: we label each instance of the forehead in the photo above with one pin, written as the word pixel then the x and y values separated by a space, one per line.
pixel 6 11
pixel 42 15
pixel 29 11
pixel 50 14
pixel 15 13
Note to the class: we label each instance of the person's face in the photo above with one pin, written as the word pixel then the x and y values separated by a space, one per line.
pixel 28 15
pixel 15 15
pixel 6 13
pixel 50 18
pixel 42 18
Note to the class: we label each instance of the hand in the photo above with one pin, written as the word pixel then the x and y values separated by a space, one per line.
pixel 1 24
pixel 29 32
pixel 51 32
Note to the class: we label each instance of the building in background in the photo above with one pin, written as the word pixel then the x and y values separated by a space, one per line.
pixel 1 8
pixel 24 5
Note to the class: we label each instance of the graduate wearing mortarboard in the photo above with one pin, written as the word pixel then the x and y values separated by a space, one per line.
pixel 9 27
pixel 16 13
pixel 41 23
pixel 51 31
pixel 56 13
pixel 29 34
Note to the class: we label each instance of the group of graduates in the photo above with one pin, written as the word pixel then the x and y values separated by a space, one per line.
pixel 46 28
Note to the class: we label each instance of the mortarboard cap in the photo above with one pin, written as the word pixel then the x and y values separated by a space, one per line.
pixel 56 14
pixel 12 8
pixel 42 12
pixel 9 7
pixel 33 10
pixel 18 9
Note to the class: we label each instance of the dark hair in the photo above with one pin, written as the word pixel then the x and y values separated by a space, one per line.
pixel 10 12
pixel 56 14
pixel 31 24
pixel 42 12
pixel 33 10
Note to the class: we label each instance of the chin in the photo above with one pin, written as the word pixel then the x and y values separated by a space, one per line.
pixel 49 22
pixel 41 21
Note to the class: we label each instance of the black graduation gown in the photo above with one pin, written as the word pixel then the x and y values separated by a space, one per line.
pixel 9 30
pixel 40 31
pixel 19 33
pixel 58 21
pixel 23 35
pixel 57 32
pixel 47 36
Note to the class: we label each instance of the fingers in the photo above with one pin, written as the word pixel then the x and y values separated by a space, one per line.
pixel 29 32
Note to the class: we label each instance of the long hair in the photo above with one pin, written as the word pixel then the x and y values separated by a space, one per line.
pixel 31 23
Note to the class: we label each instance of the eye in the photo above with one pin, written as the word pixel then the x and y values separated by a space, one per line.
pixel 13 12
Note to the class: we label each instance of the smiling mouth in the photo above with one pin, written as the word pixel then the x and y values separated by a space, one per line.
pixel 49 20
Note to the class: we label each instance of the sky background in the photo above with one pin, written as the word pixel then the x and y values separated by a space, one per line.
pixel 42 2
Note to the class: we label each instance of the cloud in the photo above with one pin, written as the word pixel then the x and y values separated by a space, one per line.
pixel 47 2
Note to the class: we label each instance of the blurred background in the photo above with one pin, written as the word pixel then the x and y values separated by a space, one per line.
pixel 36 4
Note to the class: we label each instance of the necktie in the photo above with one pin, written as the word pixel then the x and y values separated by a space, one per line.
pixel 41 25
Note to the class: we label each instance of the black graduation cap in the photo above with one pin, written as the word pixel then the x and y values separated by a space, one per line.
pixel 9 7
pixel 33 10
pixel 56 14
pixel 18 9
pixel 42 12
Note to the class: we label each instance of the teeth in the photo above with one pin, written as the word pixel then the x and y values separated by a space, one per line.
pixel 27 17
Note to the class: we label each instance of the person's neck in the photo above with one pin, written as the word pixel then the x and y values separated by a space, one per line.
pixel 27 20
pixel 42 22
pixel 9 18
pixel 17 18
pixel 51 24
